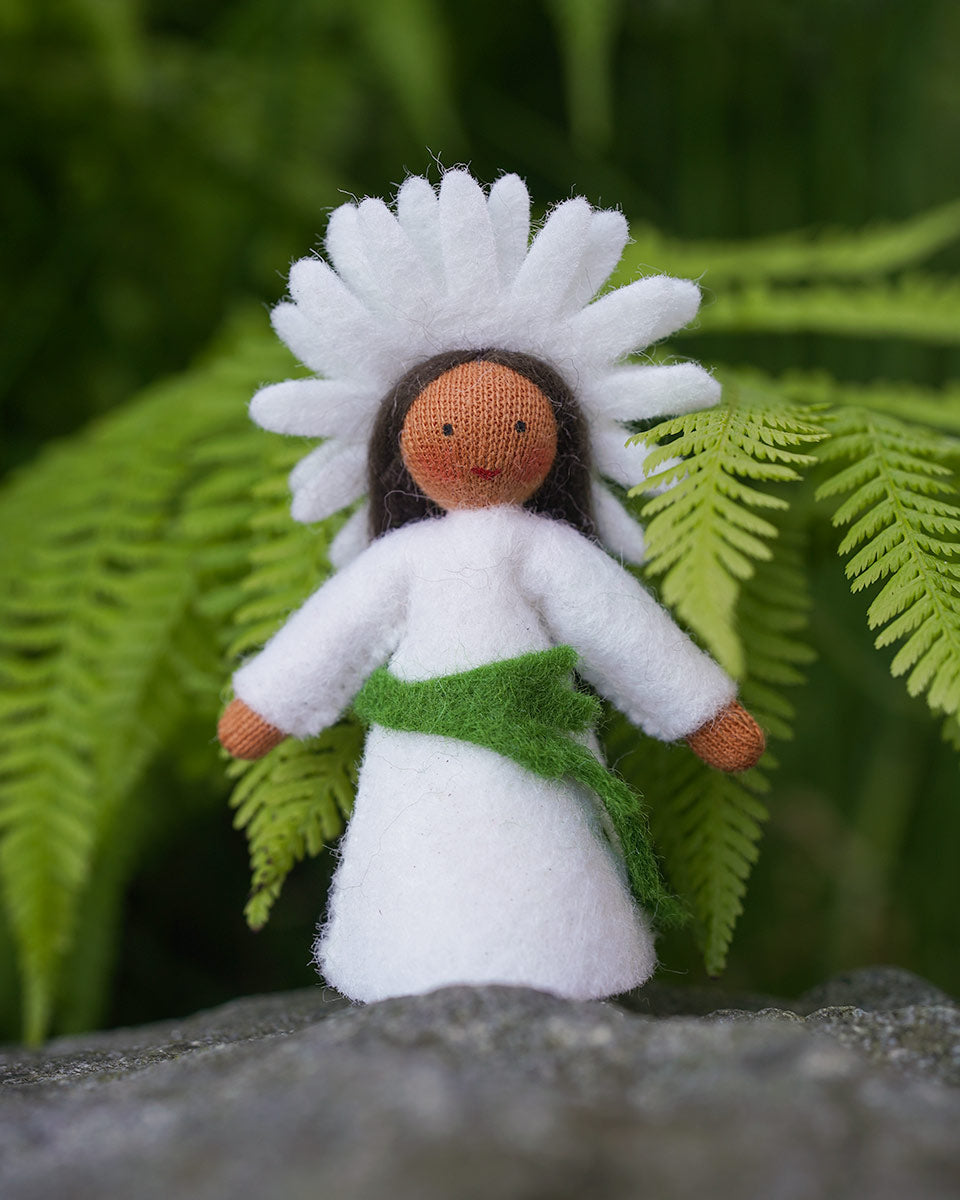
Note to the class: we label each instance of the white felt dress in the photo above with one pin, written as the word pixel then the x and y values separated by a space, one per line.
pixel 459 865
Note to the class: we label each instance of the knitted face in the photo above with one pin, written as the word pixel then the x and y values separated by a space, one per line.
pixel 478 435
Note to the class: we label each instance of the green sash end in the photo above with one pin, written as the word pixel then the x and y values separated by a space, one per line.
pixel 525 708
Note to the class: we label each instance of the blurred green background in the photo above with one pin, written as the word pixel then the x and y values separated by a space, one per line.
pixel 164 161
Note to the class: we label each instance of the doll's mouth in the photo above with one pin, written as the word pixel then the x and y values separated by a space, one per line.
pixel 484 473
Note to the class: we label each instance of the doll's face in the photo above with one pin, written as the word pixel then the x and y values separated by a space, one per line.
pixel 480 434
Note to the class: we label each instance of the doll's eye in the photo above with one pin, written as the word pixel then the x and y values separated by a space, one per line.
pixel 448 430
pixel 521 427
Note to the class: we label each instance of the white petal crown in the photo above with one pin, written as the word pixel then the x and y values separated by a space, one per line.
pixel 454 269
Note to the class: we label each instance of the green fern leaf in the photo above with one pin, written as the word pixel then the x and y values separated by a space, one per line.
pixel 924 308
pixel 99 599
pixel 291 804
pixel 935 408
pixel 795 256
pixel 902 534
pixel 704 535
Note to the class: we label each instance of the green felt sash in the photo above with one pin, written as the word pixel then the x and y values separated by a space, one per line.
pixel 524 708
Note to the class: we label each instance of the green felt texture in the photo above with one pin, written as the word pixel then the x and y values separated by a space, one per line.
pixel 524 708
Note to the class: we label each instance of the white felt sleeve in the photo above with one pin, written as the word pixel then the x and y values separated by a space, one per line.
pixel 630 649
pixel 308 673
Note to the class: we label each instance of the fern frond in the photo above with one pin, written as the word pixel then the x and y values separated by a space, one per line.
pixel 704 533
pixel 294 801
pixel 934 408
pixel 903 534
pixel 772 616
pixel 291 804
pixel 924 308
pixel 831 254
pixel 99 599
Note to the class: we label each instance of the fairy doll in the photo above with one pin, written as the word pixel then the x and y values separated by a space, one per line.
pixel 475 394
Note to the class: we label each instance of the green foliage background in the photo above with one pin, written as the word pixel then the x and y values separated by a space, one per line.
pixel 164 161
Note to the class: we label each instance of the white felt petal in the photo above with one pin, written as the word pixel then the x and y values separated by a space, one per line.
pixel 617 529
pixel 296 330
pixel 466 236
pixel 352 540
pixel 638 392
pixel 318 290
pixel 606 237
pixel 635 316
pixel 341 337
pixel 613 458
pixel 553 260
pixel 315 408
pixel 328 479
pixel 346 248
pixel 400 276
pixel 509 208
pixel 417 213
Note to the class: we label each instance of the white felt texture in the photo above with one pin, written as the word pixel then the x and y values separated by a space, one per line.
pixel 458 865
pixel 467 239
pixel 453 268
pixel 616 528
pixel 615 459
pixel 328 479
pixel 352 539
pixel 551 265
pixel 606 236
pixel 313 408
pixel 509 207
pixel 631 317
pixel 473 587
pixel 639 392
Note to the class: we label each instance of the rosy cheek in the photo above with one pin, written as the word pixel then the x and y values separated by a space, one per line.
pixel 432 464
pixel 536 463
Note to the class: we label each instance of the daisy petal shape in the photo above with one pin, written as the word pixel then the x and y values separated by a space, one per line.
pixel 327 408
pixel 634 317
pixel 328 479
pixel 640 392
pixel 509 208
pixel 353 538
pixel 619 532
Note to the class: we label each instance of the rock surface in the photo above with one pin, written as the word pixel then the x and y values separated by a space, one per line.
pixel 501 1092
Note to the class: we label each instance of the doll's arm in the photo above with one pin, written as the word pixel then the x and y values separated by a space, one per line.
pixel 308 673
pixel 632 651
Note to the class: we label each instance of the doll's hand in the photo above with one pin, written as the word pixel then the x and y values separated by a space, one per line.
pixel 730 741
pixel 244 734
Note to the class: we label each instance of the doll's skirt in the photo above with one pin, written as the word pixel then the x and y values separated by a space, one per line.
pixel 459 866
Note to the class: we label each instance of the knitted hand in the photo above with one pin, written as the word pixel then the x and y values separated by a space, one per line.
pixel 244 734
pixel 730 741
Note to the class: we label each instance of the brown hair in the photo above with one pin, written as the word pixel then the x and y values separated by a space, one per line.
pixel 395 499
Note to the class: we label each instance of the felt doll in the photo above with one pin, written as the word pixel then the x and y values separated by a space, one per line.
pixel 475 394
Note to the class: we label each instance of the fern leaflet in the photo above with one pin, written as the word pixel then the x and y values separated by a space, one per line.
pixel 294 801
pixel 903 534
pixel 99 601
pixel 291 804
pixel 704 534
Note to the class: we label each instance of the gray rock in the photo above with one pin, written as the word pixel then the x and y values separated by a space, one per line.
pixel 490 1092
pixel 920 1040
pixel 874 989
